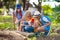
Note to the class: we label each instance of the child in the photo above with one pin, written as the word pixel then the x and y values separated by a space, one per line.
pixel 29 21
pixel 17 15
pixel 45 24
pixel 36 22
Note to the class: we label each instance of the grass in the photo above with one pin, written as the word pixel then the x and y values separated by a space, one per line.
pixel 6 22
pixel 5 18
pixel 1 9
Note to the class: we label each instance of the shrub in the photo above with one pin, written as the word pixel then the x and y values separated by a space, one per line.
pixel 5 19
pixel 6 22
pixel 6 25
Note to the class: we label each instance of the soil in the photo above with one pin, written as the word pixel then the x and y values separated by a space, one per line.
pixel 14 36
pixel 55 37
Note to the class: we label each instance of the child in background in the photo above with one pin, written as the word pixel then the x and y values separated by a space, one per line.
pixel 17 16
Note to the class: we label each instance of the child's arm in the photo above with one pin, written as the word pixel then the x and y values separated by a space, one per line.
pixel 21 25
pixel 36 24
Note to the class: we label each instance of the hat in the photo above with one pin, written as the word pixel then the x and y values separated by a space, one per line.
pixel 18 6
pixel 37 13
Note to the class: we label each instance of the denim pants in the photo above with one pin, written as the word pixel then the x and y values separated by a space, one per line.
pixel 28 29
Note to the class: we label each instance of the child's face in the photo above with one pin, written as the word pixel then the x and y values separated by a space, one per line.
pixel 18 10
pixel 37 17
pixel 29 15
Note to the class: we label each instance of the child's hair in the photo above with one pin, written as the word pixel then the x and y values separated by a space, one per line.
pixel 20 13
pixel 27 14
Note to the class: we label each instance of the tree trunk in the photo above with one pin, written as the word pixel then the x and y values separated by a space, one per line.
pixel 11 35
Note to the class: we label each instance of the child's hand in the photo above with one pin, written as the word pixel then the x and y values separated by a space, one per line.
pixel 17 21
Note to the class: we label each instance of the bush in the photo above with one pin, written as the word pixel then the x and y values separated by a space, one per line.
pixel 6 22
pixel 47 10
pixel 6 25
pixel 54 27
pixel 6 19
pixel 1 10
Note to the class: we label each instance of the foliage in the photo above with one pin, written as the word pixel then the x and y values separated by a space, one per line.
pixel 56 9
pixel 57 13
pixel 11 3
pixel 1 10
pixel 54 15
pixel 5 19
pixel 44 0
pixel 57 0
pixel 6 25
pixel 6 22
pixel 47 10
pixel 8 3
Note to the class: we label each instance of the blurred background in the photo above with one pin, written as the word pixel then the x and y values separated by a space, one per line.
pixel 49 7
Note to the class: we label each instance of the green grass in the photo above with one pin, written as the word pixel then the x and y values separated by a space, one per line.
pixel 6 25
pixel 5 18
pixel 1 9
pixel 32 38
pixel 6 22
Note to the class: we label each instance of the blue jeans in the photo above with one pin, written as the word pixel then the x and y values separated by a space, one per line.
pixel 47 29
pixel 46 33
pixel 28 29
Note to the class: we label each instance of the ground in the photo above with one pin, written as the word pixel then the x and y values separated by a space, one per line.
pixel 12 35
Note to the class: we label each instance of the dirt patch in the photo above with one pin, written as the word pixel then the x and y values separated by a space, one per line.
pixel 4 37
pixel 55 37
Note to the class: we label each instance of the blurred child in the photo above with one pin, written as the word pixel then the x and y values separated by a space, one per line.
pixel 45 23
pixel 29 21
pixel 17 15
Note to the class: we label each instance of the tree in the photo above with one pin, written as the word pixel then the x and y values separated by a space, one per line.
pixel 38 6
pixel 24 2
pixel 7 3
pixel 57 13
pixel 47 10
pixel 57 8
pixel 1 4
